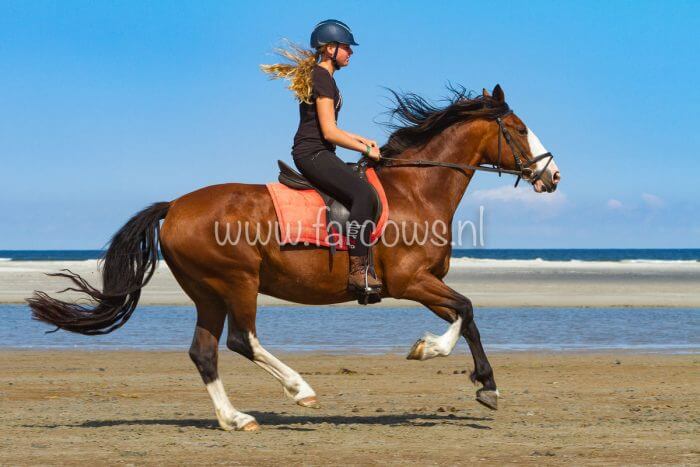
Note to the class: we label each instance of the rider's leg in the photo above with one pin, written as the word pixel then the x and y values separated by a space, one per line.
pixel 330 174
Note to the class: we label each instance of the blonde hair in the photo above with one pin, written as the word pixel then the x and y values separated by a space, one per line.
pixel 298 71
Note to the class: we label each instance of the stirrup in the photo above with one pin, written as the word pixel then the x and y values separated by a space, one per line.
pixel 369 298
pixel 366 295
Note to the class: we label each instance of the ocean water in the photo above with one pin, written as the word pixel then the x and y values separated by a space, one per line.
pixel 367 330
pixel 685 254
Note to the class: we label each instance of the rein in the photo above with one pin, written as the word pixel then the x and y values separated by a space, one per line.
pixel 522 171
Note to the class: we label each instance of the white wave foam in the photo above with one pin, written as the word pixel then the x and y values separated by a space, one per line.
pixel 571 264
pixel 660 261
pixel 575 261
pixel 5 259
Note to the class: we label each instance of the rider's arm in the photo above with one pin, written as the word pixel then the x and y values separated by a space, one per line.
pixel 361 139
pixel 331 132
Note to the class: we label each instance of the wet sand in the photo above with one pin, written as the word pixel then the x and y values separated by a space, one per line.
pixel 486 283
pixel 74 407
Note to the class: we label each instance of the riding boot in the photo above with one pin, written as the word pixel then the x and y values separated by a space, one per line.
pixel 361 278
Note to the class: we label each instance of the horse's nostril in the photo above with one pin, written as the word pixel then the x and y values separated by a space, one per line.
pixel 556 177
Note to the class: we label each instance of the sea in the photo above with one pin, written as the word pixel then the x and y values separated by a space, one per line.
pixel 368 330
pixel 564 254
pixel 373 330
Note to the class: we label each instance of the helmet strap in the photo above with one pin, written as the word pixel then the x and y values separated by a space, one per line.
pixel 335 57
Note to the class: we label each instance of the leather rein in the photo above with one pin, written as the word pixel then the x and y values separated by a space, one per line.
pixel 522 171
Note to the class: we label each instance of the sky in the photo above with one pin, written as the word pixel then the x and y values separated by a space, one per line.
pixel 106 107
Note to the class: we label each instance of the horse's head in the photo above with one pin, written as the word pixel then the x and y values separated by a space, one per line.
pixel 511 145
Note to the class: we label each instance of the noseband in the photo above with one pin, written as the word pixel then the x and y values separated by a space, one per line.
pixel 522 170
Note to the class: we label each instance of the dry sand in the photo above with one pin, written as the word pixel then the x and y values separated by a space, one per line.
pixel 140 408
pixel 487 283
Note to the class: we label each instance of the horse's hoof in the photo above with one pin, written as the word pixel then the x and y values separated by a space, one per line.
pixel 250 426
pixel 416 352
pixel 310 402
pixel 488 398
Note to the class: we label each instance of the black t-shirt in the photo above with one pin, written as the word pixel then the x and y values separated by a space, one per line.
pixel 309 138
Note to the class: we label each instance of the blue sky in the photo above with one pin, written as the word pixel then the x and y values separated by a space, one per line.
pixel 108 106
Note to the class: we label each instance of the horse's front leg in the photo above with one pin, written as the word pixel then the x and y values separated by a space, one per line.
pixel 431 345
pixel 458 311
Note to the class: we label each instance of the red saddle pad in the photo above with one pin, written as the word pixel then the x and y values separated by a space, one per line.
pixel 301 215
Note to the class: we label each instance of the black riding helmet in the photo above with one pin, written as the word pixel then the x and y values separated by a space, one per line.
pixel 329 31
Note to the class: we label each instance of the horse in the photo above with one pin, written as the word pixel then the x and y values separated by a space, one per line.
pixel 428 161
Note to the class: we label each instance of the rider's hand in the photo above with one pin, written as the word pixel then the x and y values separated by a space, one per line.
pixel 374 153
pixel 369 142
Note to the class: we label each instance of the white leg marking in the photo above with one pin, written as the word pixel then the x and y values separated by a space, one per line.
pixel 441 346
pixel 229 418
pixel 294 385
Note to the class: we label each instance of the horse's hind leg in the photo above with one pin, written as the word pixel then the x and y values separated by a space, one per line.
pixel 242 339
pixel 204 354
pixel 293 384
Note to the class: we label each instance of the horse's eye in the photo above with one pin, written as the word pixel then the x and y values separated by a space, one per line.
pixel 522 130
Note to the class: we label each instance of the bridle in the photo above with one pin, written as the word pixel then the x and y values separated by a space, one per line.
pixel 522 170
pixel 530 175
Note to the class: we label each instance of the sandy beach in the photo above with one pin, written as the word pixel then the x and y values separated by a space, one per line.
pixel 486 282
pixel 73 407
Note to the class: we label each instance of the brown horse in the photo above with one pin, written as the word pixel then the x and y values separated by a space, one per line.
pixel 224 281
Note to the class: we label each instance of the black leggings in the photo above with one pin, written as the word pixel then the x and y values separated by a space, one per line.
pixel 331 175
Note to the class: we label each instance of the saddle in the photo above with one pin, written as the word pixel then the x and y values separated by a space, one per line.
pixel 294 190
pixel 337 214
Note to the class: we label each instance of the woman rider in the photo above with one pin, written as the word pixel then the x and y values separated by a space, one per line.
pixel 311 80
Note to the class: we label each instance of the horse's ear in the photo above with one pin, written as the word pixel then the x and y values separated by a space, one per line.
pixel 498 94
pixel 485 93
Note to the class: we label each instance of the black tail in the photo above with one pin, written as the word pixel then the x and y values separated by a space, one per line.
pixel 128 265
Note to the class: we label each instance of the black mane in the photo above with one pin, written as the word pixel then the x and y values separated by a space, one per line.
pixel 419 120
